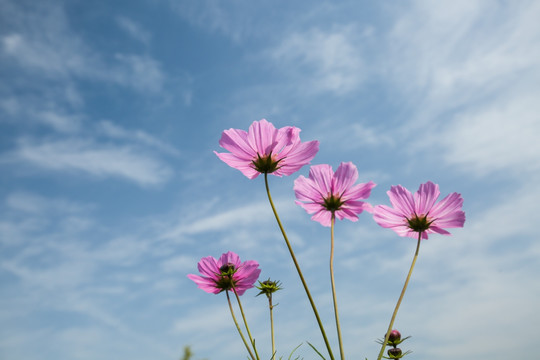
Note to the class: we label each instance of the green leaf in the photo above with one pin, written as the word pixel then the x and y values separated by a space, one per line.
pixel 317 351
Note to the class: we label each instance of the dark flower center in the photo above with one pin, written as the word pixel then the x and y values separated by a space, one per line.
pixel 332 203
pixel 225 279
pixel 419 223
pixel 265 164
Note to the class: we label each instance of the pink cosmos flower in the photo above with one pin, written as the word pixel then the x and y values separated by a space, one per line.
pixel 265 149
pixel 226 273
pixel 420 212
pixel 325 193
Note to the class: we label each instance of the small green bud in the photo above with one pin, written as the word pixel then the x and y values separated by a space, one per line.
pixel 268 287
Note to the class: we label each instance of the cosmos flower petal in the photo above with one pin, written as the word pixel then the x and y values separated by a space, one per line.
pixel 323 217
pixel 296 159
pixel 425 197
pixel 388 217
pixel 262 136
pixel 307 190
pixel 345 176
pixel 207 266
pixel 448 207
pixel 310 208
pixel 236 141
pixel 359 191
pixel 401 199
pixel 205 284
pixel 229 258
pixel 321 176
pixel 347 213
pixel 240 164
pixel 439 230
pixel 285 138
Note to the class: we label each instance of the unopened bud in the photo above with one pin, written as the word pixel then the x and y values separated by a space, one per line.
pixel 394 353
pixel 394 336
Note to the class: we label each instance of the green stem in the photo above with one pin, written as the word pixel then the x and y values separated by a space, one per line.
pixel 400 298
pixel 245 323
pixel 334 286
pixel 298 270
pixel 272 326
pixel 238 327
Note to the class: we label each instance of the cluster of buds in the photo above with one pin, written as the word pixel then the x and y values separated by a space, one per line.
pixel 394 339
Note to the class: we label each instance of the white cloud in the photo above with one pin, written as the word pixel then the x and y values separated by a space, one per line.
pixel 138 71
pixel 51 48
pixel 114 131
pixel 36 204
pixel 501 137
pixel 322 61
pixel 134 29
pixel 461 52
pixel 98 160
pixel 469 72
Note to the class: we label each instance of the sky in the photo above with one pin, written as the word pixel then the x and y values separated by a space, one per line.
pixel 110 191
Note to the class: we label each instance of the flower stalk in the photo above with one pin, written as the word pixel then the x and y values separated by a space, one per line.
pixel 400 298
pixel 268 287
pixel 291 252
pixel 238 328
pixel 246 324
pixel 341 352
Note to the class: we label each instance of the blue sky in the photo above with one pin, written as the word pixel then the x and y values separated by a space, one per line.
pixel 110 192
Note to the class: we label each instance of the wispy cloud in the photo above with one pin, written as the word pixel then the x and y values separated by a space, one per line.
pixel 322 61
pixel 114 131
pixel 458 55
pixel 134 29
pixel 499 138
pixel 77 155
pixel 52 49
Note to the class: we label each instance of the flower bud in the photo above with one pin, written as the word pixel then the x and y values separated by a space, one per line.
pixel 394 353
pixel 268 287
pixel 394 337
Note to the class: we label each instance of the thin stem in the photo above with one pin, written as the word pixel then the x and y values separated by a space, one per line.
pixel 271 307
pixel 298 270
pixel 245 323
pixel 334 286
pixel 238 327
pixel 400 298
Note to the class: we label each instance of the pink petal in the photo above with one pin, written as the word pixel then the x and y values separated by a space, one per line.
pixel 425 197
pixel 246 167
pixel 208 266
pixel 306 190
pixel 345 176
pixel 359 191
pixel 322 177
pixel 235 141
pixel 402 200
pixel 324 217
pixel 262 136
